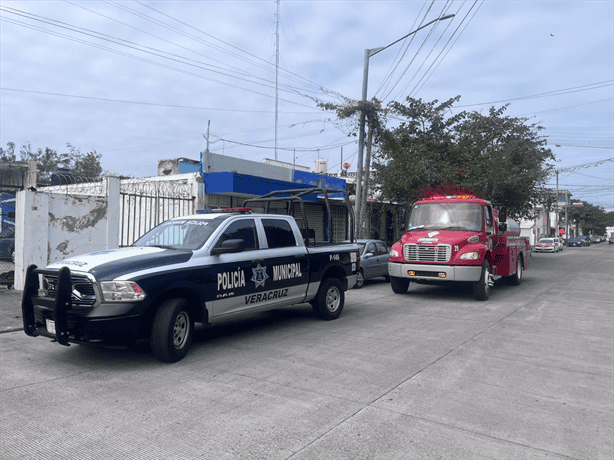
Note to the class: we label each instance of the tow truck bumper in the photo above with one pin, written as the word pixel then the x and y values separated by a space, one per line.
pixel 57 319
pixel 435 272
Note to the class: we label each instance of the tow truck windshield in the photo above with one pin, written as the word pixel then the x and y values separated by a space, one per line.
pixel 187 233
pixel 465 217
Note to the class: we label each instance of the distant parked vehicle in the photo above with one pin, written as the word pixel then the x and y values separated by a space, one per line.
pixel 576 241
pixel 611 240
pixel 559 243
pixel 595 239
pixel 546 245
pixel 373 261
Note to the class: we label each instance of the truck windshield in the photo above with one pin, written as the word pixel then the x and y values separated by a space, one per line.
pixel 465 217
pixel 187 233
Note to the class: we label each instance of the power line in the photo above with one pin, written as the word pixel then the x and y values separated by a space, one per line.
pixel 143 103
pixel 559 92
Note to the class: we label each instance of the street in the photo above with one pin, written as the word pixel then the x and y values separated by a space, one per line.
pixel 433 373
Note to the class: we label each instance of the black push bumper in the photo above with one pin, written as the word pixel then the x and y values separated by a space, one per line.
pixel 72 324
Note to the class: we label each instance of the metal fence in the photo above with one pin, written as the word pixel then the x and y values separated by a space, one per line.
pixel 145 204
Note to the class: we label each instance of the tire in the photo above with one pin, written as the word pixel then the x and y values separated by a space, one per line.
pixel 399 285
pixel 360 279
pixel 481 288
pixel 516 278
pixel 172 331
pixel 328 302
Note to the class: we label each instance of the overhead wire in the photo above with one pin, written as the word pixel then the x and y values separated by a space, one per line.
pixel 402 51
pixel 426 39
pixel 439 59
pixel 559 92
pixel 140 48
pixel 185 72
pixel 269 65
pixel 144 49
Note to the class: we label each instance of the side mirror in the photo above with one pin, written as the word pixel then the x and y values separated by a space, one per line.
pixel 502 219
pixel 227 247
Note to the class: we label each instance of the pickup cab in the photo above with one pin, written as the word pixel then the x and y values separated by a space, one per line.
pixel 202 268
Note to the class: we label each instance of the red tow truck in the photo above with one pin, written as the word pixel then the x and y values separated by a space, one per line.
pixel 458 238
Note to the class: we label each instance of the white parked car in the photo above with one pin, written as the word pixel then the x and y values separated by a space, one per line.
pixel 559 243
pixel 546 245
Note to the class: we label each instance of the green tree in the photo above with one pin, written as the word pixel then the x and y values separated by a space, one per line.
pixel 8 154
pixel 589 218
pixel 494 156
pixel 86 166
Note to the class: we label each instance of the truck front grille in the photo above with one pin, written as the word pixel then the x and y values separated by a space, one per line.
pixel 427 253
pixel 83 293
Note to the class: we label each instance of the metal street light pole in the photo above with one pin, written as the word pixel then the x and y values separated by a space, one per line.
pixel 358 211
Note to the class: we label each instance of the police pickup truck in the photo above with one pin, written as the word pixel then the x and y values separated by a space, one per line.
pixel 201 268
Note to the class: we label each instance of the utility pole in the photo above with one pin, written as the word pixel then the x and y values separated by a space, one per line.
pixel 276 75
pixel 571 169
pixel 556 209
pixel 208 128
pixel 205 162
pixel 358 208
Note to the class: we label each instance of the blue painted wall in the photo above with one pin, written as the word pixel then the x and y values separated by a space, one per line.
pixel 230 182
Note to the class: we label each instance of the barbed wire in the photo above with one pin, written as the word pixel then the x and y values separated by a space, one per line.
pixel 161 188
pixel 71 184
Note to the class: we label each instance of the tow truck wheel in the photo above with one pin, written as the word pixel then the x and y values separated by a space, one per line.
pixel 481 288
pixel 360 279
pixel 516 278
pixel 328 303
pixel 399 285
pixel 172 331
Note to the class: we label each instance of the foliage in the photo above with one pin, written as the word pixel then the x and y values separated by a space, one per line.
pixel 349 111
pixel 8 154
pixel 591 219
pixel 498 157
pixel 84 165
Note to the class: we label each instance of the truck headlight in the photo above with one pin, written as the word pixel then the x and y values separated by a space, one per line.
pixel 393 253
pixel 121 291
pixel 470 256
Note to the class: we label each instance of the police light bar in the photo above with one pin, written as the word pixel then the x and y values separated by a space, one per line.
pixel 451 197
pixel 225 210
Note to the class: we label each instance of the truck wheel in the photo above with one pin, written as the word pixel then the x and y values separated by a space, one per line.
pixel 399 285
pixel 516 278
pixel 328 303
pixel 360 279
pixel 172 331
pixel 481 288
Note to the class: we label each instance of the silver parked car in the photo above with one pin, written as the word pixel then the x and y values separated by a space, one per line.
pixel 373 261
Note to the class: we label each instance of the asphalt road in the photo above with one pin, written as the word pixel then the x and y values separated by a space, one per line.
pixel 431 374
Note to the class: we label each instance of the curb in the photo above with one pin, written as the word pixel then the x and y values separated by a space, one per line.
pixel 11 329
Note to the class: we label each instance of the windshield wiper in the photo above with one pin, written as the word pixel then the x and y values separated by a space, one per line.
pixel 415 228
pixel 462 229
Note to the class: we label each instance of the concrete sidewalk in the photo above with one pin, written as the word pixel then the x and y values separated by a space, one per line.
pixel 10 310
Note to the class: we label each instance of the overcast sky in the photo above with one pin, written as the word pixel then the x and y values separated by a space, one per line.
pixel 140 81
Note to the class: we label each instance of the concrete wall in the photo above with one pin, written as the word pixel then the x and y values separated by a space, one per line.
pixel 54 226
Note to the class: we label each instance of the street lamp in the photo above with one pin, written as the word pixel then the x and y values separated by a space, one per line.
pixel 358 211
